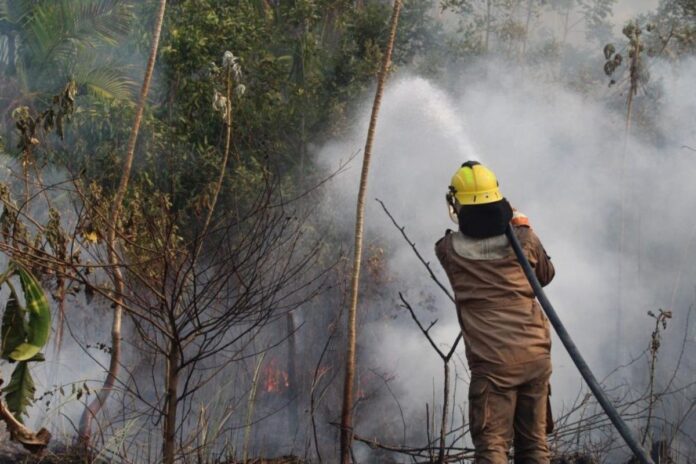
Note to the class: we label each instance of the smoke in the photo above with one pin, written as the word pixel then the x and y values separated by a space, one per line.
pixel 559 157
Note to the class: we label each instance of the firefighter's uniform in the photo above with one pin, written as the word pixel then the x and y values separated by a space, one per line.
pixel 507 340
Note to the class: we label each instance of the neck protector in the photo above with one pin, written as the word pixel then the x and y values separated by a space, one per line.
pixel 487 220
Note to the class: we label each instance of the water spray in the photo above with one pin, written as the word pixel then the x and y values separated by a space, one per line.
pixel 574 353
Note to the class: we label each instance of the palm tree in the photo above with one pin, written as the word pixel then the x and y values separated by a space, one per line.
pixel 43 44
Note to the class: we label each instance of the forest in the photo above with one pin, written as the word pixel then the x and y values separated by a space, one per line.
pixel 184 277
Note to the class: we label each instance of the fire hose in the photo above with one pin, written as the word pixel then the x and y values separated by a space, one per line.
pixel 574 353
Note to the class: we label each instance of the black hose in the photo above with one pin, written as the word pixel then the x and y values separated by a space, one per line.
pixel 582 366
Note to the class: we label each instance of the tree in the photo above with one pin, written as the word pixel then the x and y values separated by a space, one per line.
pixel 347 408
pixel 197 304
pixel 45 44
pixel 674 24
pixel 114 221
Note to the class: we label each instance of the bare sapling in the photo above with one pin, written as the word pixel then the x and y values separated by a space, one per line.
pixel 347 407
pixel 445 357
pixel 655 341
pixel 637 74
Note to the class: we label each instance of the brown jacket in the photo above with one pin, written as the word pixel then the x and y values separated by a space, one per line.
pixel 502 323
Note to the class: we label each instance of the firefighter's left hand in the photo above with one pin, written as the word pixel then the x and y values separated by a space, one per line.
pixel 519 219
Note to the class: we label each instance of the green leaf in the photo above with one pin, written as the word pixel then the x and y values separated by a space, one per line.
pixel 38 309
pixel 25 352
pixel 13 333
pixel 19 394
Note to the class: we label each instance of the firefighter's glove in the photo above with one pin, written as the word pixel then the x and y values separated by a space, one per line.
pixel 519 219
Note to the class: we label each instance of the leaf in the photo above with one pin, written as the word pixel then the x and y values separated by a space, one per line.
pixel 104 82
pixel 24 352
pixel 609 50
pixel 609 68
pixel 19 394
pixel 38 309
pixel 90 236
pixel 13 333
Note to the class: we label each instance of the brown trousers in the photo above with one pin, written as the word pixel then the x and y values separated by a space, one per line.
pixel 501 416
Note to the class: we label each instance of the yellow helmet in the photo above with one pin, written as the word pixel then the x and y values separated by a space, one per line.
pixel 475 184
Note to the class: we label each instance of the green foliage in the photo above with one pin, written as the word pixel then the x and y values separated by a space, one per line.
pixel 19 393
pixel 674 24
pixel 13 331
pixel 597 15
pixel 504 27
pixel 23 339
pixel 39 327
pixel 304 62
pixel 45 44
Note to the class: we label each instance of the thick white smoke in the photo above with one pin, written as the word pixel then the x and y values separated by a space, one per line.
pixel 558 155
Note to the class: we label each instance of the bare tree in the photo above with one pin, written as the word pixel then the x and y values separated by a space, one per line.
pixel 347 408
pixel 198 305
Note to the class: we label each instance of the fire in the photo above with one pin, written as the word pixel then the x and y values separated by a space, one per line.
pixel 275 379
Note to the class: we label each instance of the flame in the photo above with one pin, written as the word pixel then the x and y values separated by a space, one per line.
pixel 275 379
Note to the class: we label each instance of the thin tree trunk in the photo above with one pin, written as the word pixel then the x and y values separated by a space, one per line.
pixel 114 261
pixel 445 406
pixel 526 27
pixel 347 409
pixel 11 54
pixel 169 432
pixel 223 166
pixel 566 25
pixel 488 25
pixel 632 91
pixel 250 408
pixel 293 390
pixel 26 159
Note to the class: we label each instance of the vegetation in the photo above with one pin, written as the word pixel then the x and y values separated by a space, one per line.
pixel 178 227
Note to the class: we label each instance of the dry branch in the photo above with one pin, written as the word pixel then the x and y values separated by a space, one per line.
pixel 34 442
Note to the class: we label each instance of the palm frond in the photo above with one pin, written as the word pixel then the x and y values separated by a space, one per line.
pixel 105 20
pixel 54 27
pixel 106 82
pixel 15 11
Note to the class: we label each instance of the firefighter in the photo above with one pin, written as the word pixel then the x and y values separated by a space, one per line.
pixel 506 334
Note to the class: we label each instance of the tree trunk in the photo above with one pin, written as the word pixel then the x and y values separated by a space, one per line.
pixel 169 431
pixel 347 409
pixel 114 261
pixel 566 25
pixel 632 91
pixel 11 54
pixel 223 167
pixel 526 28
pixel 293 390
pixel 445 407
pixel 488 25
